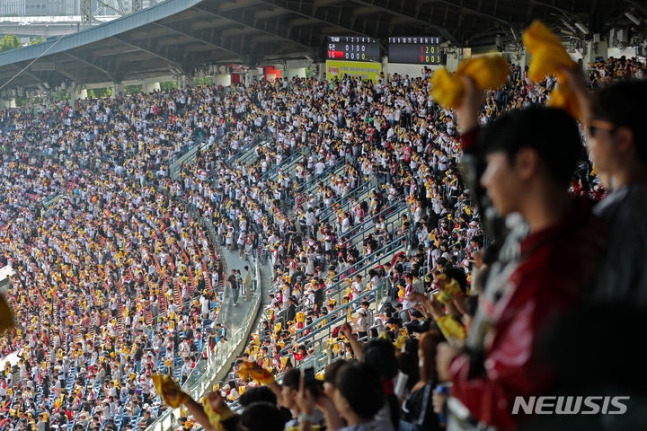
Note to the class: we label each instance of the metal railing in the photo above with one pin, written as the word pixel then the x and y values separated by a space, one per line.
pixel 318 337
pixel 286 165
pixel 392 213
pixel 246 155
pixel 311 184
pixel 344 201
pixel 202 379
pixel 357 269
pixel 338 289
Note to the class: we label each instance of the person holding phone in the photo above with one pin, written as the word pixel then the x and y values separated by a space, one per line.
pixel 357 397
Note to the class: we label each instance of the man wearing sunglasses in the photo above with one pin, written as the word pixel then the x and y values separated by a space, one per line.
pixel 616 117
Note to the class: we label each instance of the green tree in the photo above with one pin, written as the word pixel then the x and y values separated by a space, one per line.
pixel 168 85
pixel 9 41
pixel 61 95
pixel 37 40
pixel 132 89
pixel 99 93
pixel 203 80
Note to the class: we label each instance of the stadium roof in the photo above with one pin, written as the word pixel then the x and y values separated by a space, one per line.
pixel 180 36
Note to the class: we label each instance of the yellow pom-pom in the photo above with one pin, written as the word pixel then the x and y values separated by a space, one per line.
pixel 6 315
pixel 487 72
pixel 169 390
pixel 548 58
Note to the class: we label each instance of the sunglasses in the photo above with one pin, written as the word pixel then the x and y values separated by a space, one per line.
pixel 596 125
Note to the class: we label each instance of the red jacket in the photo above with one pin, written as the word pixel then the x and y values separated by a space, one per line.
pixel 557 264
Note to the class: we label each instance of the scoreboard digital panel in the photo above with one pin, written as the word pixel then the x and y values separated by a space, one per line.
pixel 416 50
pixel 355 48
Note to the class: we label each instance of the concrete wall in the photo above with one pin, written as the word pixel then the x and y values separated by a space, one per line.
pixel 413 70
pixel 299 72
pixel 223 79
pixel 10 103
pixel 150 85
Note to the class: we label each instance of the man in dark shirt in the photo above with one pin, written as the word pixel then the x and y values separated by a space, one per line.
pixel 617 139
pixel 291 310
pixel 233 285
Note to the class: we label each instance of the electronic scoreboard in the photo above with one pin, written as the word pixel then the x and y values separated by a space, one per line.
pixel 353 48
pixel 416 50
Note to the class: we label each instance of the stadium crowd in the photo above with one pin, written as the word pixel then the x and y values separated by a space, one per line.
pixel 447 247
pixel 116 280
pixel 412 156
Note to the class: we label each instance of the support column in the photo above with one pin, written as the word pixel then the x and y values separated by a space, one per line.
pixel 149 86
pixel 78 94
pixel 222 79
pixel 296 71
pixel 320 69
pixel 117 87
pixel 454 57
pixel 251 75
pixel 7 103
pixel 520 58
pixel 182 81
pixel 47 96
pixel 596 49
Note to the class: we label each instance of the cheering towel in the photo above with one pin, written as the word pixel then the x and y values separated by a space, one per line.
pixel 549 57
pixel 489 71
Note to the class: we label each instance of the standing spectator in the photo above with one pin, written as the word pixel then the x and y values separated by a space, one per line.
pixel 417 409
pixel 617 137
pixel 529 168
pixel 232 283
pixel 362 323
pixel 247 282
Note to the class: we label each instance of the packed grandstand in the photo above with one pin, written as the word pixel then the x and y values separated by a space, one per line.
pixel 350 190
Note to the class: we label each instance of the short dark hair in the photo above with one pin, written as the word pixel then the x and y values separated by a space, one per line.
pixel 292 378
pixel 623 104
pixel 332 369
pixel 549 131
pixel 359 384
pixel 260 393
pixel 379 354
pixel 261 416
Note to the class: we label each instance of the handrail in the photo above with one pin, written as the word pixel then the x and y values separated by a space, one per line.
pixel 286 164
pixel 308 185
pixel 335 290
pixel 201 379
pixel 208 370
pixel 364 185
pixel 340 313
pixel 393 220
pixel 242 154
pixel 358 267
pixel 185 154
pixel 246 153
pixel 393 208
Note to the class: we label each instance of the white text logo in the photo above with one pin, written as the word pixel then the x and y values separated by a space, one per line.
pixel 571 405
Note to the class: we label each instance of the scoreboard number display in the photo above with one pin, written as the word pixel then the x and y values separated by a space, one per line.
pixel 353 48
pixel 416 50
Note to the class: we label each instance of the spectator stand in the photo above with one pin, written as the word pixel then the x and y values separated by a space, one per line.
pixel 213 370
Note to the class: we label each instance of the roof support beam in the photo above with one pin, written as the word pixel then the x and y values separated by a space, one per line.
pixel 376 5
pixel 111 75
pixel 68 75
pixel 176 63
pixel 243 16
pixel 33 76
pixel 306 10
pixel 470 11
pixel 215 40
